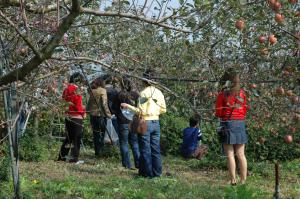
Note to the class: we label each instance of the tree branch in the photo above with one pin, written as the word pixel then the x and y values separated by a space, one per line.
pixel 25 38
pixel 30 7
pixel 86 59
pixel 131 16
pixel 46 52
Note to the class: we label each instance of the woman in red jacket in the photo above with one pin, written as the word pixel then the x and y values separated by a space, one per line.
pixel 73 121
pixel 231 109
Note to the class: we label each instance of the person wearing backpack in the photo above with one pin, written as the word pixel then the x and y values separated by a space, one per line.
pixel 231 108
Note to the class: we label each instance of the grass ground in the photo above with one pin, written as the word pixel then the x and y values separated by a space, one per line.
pixel 105 178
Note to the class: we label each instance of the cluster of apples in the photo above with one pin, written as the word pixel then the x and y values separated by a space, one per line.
pixel 288 138
pixel 279 18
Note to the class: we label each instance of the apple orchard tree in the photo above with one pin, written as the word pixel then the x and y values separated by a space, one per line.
pixel 188 44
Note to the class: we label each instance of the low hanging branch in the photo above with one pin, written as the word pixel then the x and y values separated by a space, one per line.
pixel 86 59
pixel 46 52
pixel 132 16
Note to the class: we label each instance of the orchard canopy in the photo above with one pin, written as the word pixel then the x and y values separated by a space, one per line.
pixel 187 43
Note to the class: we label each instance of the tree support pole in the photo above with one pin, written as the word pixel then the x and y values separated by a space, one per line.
pixel 14 161
pixel 277 191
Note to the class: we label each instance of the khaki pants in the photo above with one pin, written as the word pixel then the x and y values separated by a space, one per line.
pixel 200 152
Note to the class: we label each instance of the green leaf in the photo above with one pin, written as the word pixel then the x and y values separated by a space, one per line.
pixel 126 2
pixel 197 3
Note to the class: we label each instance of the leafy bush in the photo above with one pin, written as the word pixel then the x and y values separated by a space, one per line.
pixel 4 166
pixel 33 147
pixel 274 148
pixel 171 132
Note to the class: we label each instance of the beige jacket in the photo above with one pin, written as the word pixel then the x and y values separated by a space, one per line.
pixel 151 103
pixel 101 100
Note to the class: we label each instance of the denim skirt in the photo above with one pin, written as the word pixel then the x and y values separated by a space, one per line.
pixel 235 132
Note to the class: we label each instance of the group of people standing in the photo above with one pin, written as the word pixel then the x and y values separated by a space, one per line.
pixel 105 101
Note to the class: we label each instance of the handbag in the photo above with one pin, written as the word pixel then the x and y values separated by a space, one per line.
pixel 138 125
pixel 221 130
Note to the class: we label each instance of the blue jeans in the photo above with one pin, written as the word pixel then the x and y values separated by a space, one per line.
pixel 150 158
pixel 124 136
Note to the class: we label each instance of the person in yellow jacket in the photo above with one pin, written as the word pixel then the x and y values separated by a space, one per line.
pixel 151 104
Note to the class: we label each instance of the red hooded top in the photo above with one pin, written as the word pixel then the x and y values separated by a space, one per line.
pixel 226 102
pixel 75 107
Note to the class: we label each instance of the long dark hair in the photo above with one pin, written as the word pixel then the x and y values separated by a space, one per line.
pixel 230 81
pixel 75 78
pixel 98 82
pixel 125 84
pixel 125 93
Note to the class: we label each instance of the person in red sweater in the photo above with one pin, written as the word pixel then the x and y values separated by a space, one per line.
pixel 231 108
pixel 73 121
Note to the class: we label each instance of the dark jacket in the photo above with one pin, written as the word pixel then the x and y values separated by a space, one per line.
pixel 111 97
pixel 191 137
pixel 124 97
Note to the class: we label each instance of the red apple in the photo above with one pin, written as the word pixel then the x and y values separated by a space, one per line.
pixel 262 39
pixel 277 6
pixel 240 24
pixel 279 18
pixel 293 1
pixel 272 3
pixel 292 129
pixel 272 39
pixel 280 90
pixel 288 139
pixel 253 86
pixel 295 99
pixel 297 14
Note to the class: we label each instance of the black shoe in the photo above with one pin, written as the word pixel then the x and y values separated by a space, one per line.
pixel 61 159
pixel 73 161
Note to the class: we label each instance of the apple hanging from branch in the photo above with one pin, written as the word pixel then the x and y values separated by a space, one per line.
pixel 280 90
pixel 240 24
pixel 279 18
pixel 262 39
pixel 288 139
pixel 272 39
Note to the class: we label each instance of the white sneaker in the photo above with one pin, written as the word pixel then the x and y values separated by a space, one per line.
pixel 79 162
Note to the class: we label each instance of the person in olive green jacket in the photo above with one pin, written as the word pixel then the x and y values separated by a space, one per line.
pixel 99 112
